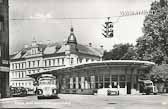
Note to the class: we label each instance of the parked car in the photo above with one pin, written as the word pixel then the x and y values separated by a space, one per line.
pixel 149 87
pixel 18 91
pixel 30 91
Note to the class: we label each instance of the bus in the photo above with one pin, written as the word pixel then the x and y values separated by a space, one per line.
pixel 47 87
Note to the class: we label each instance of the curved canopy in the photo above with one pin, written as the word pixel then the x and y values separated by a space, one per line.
pixel 97 64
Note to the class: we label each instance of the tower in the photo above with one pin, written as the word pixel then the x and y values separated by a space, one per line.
pixel 72 42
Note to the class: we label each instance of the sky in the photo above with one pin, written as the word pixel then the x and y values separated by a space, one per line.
pixel 48 20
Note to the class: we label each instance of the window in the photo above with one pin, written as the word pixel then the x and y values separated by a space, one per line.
pixel 38 63
pixel 19 74
pixel 49 62
pixel 87 59
pixel 107 78
pixel 71 83
pixel 33 63
pixel 45 62
pixel 122 77
pixel 62 61
pixel 29 63
pixel 58 61
pixel 122 84
pixel 92 79
pixel 53 62
pixel 22 65
pixel 72 60
pixel 19 65
pixel 29 71
pixel 80 60
pixel 106 81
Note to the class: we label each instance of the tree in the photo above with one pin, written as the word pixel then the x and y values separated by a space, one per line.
pixel 153 45
pixel 120 51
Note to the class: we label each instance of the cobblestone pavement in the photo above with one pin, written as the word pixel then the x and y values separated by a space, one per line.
pixel 69 101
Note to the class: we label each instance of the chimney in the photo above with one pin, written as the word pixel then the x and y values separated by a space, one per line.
pixel 90 44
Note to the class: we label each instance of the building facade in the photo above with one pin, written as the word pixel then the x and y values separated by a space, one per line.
pixel 4 49
pixel 39 57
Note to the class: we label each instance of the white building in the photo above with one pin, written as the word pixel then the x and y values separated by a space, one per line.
pixel 39 57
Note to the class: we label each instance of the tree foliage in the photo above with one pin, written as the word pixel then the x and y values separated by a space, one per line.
pixel 153 45
pixel 120 52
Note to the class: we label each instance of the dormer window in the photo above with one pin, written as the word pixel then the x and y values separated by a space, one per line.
pixel 34 51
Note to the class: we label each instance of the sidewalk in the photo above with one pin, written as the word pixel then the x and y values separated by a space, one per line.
pixel 11 98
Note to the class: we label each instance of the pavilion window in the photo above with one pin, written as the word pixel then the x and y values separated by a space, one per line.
pixel 114 81
pixel 96 82
pixel 106 81
pixel 82 82
pixel 92 78
pixel 122 79
pixel 74 83
pixel 100 81
pixel 122 84
pixel 87 82
pixel 79 82
pixel 71 83
pixel 68 83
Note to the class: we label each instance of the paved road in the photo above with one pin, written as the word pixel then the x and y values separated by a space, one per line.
pixel 67 101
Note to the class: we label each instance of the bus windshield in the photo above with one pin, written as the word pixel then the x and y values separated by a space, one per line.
pixel 46 82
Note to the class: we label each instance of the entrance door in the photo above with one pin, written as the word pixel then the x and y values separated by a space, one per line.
pixel 128 87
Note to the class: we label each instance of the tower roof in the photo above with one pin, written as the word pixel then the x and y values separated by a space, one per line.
pixel 71 37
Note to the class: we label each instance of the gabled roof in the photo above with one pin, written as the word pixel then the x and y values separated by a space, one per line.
pixel 54 49
pixel 82 49
pixel 25 51
pixel 85 49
